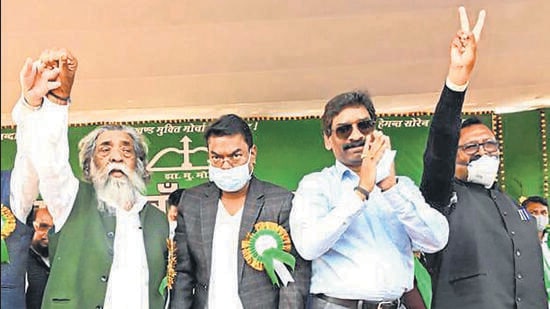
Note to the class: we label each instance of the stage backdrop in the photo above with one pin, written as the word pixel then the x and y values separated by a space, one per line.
pixel 289 148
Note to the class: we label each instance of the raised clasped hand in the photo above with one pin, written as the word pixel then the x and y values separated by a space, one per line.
pixel 67 64
pixel 54 71
pixel 375 146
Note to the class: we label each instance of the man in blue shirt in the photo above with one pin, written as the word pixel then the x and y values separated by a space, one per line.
pixel 356 220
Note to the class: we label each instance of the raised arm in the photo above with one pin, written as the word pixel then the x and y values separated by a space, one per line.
pixel 442 144
pixel 42 159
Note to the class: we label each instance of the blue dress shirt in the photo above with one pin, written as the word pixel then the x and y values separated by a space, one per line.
pixel 362 250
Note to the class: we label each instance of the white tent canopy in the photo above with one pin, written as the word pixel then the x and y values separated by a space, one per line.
pixel 147 60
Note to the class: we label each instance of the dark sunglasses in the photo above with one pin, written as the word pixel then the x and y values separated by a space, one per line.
pixel 365 126
pixel 472 148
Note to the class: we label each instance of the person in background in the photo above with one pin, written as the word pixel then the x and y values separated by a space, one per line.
pixel 493 257
pixel 232 237
pixel 537 206
pixel 38 267
pixel 16 235
pixel 108 249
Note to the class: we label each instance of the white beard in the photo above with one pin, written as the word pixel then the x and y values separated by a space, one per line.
pixel 113 192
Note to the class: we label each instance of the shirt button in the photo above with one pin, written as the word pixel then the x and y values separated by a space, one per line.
pixel 505 213
pixel 518 253
pixel 518 299
pixel 519 277
pixel 103 279
pixel 110 234
pixel 513 233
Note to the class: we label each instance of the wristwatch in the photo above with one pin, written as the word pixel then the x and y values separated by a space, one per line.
pixel 57 99
pixel 362 191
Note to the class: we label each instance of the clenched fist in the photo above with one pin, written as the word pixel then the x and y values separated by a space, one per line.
pixel 67 64
pixel 51 75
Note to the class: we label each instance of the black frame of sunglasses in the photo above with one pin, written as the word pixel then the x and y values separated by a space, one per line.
pixel 365 126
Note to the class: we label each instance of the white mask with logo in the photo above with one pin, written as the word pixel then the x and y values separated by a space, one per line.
pixel 484 170
pixel 542 222
pixel 230 180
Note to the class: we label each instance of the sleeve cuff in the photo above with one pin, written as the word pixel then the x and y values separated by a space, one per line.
pixel 455 87
pixel 400 195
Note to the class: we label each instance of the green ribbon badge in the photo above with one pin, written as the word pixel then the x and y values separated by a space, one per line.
pixel 8 226
pixel 163 285
pixel 268 248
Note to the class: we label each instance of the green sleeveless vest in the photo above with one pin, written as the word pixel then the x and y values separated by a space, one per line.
pixel 81 254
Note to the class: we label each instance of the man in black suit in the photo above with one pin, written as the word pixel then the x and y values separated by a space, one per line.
pixel 38 267
pixel 222 259
pixel 493 257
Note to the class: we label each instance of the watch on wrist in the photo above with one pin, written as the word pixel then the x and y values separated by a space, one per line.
pixel 363 192
pixel 64 101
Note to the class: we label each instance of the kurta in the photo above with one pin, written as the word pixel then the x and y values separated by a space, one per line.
pixel 81 254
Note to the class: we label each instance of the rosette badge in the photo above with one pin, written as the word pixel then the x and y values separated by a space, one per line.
pixel 8 226
pixel 268 248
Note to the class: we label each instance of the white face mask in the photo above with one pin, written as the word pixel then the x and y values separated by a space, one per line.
pixel 542 221
pixel 483 171
pixel 230 180
pixel 383 168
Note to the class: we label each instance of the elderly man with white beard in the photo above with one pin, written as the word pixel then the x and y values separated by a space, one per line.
pixel 108 249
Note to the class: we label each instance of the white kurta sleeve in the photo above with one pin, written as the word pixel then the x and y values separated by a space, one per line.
pixel 42 162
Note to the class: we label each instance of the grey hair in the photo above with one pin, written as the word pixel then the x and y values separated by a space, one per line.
pixel 87 146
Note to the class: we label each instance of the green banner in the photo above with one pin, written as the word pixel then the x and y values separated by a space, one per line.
pixel 288 148
pixel 522 145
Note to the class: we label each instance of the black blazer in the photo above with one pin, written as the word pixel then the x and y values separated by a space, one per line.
pixel 37 275
pixel 194 235
pixel 493 258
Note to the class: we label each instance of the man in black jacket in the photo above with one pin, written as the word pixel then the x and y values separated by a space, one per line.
pixel 493 258
pixel 38 267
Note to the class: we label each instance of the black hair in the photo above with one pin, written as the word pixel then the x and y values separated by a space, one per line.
pixel 342 101
pixel 174 197
pixel 470 122
pixel 229 124
pixel 534 199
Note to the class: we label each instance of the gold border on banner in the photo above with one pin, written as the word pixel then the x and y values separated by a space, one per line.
pixel 498 131
pixel 251 118
pixel 544 148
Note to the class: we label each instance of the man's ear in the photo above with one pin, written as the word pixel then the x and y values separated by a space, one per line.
pixel 253 153
pixel 328 142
